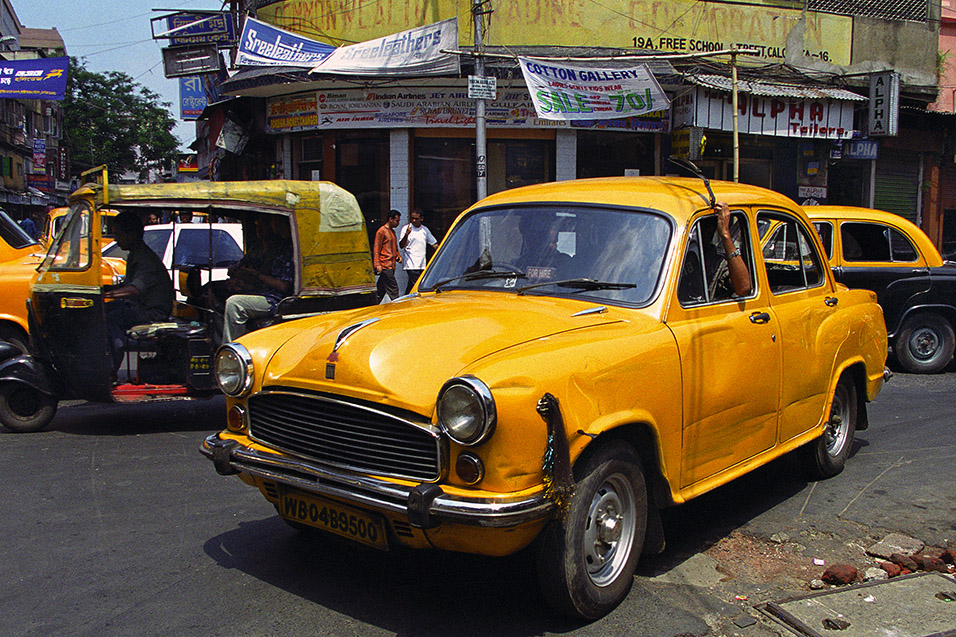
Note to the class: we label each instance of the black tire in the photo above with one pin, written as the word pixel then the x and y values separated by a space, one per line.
pixel 827 455
pixel 925 344
pixel 23 409
pixel 586 562
pixel 16 337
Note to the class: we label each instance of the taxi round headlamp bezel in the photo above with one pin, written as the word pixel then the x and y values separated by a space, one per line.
pixel 243 369
pixel 461 395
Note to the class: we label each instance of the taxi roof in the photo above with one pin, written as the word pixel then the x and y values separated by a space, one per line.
pixel 854 213
pixel 680 197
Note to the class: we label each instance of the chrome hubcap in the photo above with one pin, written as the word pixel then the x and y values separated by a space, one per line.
pixel 836 431
pixel 924 343
pixel 609 534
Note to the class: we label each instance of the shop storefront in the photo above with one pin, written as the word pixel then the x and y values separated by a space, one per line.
pixel 411 145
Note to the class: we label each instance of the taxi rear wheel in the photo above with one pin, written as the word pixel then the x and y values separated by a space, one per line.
pixel 925 344
pixel 828 454
pixel 586 561
pixel 23 409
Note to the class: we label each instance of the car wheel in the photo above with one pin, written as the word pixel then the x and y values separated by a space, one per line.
pixel 16 337
pixel 24 409
pixel 586 561
pixel 925 344
pixel 828 454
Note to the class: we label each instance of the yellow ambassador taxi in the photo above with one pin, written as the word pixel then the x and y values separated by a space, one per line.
pixel 573 360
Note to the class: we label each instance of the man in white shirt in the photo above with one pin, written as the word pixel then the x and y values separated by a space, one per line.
pixel 414 241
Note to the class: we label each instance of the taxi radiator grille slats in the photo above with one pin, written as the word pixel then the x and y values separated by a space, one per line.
pixel 344 435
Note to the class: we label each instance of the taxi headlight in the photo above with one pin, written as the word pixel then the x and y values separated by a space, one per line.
pixel 234 370
pixel 466 410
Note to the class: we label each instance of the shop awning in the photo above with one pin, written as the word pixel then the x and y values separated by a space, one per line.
pixel 768 89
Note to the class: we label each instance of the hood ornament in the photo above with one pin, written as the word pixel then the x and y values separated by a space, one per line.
pixel 351 329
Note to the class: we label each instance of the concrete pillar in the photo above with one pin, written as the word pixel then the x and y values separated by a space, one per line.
pixel 399 184
pixel 566 155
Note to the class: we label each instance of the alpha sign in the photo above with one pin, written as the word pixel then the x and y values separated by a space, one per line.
pixel 760 115
pixel 884 104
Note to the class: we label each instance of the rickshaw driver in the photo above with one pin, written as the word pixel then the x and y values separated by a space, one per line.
pixel 146 294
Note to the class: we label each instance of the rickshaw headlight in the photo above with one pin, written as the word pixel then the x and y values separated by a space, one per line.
pixel 234 370
pixel 466 410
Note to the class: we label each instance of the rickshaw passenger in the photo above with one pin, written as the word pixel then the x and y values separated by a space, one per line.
pixel 274 281
pixel 146 294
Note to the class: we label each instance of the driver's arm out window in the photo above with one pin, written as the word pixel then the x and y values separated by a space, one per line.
pixel 705 277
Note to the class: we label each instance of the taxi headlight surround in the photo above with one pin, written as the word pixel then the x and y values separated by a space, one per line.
pixel 234 370
pixel 466 410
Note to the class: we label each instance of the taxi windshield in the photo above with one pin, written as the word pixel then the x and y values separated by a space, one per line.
pixel 604 254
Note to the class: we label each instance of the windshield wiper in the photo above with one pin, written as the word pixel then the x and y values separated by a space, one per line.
pixel 581 284
pixel 481 275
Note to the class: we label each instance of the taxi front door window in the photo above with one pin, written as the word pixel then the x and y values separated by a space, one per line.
pixel 705 277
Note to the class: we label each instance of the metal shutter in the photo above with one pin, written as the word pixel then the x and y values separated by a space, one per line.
pixel 897 184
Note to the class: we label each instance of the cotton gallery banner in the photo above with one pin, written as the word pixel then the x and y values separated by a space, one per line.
pixel 39 79
pixel 569 92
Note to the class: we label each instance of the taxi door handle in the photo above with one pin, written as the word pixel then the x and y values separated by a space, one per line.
pixel 760 317
pixel 831 301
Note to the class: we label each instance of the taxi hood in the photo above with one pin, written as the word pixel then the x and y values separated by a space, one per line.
pixel 403 352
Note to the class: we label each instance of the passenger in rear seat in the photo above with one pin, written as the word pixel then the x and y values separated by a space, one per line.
pixel 146 293
pixel 274 281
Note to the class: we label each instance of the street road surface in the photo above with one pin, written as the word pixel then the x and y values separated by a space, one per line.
pixel 114 524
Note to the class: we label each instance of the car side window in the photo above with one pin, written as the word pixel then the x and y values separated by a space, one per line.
pixel 790 256
pixel 900 247
pixel 704 276
pixel 825 231
pixel 876 242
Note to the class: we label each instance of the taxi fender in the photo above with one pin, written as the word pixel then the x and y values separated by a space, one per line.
pixel 30 371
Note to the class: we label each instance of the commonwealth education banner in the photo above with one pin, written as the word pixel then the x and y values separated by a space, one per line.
pixel 568 92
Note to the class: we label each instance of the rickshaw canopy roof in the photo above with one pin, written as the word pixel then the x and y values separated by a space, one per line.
pixel 329 227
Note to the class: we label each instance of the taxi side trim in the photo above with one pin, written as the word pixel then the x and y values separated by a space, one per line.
pixel 493 512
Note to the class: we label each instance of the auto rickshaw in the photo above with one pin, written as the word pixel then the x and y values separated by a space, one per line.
pixel 70 351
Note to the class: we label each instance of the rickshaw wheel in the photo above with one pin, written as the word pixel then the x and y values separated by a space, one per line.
pixel 24 409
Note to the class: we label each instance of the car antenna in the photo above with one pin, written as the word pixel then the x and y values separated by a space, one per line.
pixel 691 167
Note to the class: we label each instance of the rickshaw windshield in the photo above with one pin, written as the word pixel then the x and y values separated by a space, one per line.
pixel 71 249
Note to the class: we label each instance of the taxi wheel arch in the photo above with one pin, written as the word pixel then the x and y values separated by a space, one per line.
pixel 25 409
pixel 827 455
pixel 925 343
pixel 586 560
pixel 15 335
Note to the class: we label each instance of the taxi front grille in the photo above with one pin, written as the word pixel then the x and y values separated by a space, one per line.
pixel 345 435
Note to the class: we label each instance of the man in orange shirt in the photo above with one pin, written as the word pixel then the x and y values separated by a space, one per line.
pixel 385 255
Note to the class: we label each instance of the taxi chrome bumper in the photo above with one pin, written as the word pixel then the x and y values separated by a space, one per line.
pixel 426 506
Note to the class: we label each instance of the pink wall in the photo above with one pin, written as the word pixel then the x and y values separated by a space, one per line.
pixel 946 101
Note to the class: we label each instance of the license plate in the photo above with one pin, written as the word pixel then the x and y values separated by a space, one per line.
pixel 336 518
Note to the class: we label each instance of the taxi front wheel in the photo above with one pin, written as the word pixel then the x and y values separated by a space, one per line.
pixel 586 561
pixel 828 454
pixel 23 409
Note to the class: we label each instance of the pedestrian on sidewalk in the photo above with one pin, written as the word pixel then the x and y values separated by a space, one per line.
pixel 385 255
pixel 415 241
